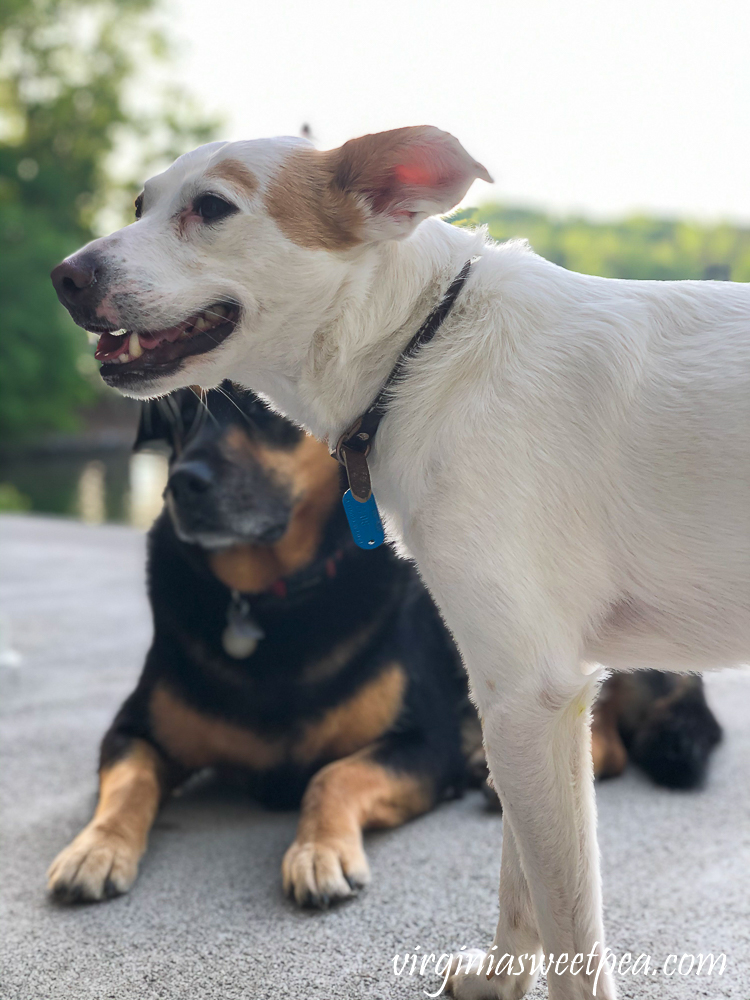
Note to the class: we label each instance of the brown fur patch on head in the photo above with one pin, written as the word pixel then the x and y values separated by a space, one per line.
pixel 323 200
pixel 309 208
pixel 313 480
pixel 237 447
pixel 235 173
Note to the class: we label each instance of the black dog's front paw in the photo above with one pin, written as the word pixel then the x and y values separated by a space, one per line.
pixel 318 873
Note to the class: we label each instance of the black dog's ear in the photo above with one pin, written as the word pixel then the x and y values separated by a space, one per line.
pixel 154 425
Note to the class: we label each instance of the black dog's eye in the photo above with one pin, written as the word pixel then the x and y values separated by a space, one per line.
pixel 139 206
pixel 210 207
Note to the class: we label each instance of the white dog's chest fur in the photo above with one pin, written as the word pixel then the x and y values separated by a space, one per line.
pixel 571 456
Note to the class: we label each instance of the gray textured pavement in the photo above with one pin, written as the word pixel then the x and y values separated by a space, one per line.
pixel 206 919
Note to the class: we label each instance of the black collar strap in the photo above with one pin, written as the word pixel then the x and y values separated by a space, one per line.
pixel 354 444
pixel 304 580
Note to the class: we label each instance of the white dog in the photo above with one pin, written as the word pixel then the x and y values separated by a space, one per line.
pixel 568 459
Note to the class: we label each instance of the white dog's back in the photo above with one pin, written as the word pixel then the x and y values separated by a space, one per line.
pixel 601 427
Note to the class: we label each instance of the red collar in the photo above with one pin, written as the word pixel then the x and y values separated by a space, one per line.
pixel 288 587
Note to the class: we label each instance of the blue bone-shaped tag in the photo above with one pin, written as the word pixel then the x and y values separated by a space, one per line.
pixel 364 521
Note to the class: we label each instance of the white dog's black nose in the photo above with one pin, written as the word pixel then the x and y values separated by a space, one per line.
pixel 75 280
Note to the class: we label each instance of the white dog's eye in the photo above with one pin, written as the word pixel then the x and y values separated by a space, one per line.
pixel 211 208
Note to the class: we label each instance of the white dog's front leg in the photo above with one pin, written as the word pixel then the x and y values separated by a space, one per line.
pixel 516 935
pixel 517 931
pixel 538 749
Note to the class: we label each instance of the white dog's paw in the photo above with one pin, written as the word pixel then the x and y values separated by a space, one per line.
pixel 96 865
pixel 465 983
pixel 320 872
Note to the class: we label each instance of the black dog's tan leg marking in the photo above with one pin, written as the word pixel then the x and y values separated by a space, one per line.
pixel 327 861
pixel 103 859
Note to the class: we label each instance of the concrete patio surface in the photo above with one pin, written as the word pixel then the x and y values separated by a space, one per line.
pixel 206 919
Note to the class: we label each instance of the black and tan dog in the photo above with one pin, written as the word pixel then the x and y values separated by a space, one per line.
pixel 321 671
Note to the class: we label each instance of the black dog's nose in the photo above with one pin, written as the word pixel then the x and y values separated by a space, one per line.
pixel 190 479
pixel 74 279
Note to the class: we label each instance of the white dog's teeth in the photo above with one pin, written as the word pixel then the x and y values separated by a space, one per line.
pixel 134 347
pixel 206 320
pixel 123 358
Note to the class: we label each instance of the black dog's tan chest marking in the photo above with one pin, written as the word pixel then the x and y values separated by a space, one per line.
pixel 195 739
pixel 357 722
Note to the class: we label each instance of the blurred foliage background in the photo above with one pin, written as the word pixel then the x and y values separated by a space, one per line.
pixel 76 139
pixel 636 247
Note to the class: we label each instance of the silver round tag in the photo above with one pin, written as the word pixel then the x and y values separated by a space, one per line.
pixel 237 645
pixel 241 636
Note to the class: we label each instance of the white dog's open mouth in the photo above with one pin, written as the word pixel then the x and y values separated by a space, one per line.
pixel 151 350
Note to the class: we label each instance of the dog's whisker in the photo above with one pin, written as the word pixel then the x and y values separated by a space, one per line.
pixel 204 410
pixel 212 312
pixel 234 404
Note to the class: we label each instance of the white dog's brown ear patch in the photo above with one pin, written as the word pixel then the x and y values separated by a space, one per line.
pixel 308 208
pixel 377 187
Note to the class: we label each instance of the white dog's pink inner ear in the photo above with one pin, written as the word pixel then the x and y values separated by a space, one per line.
pixel 407 174
pixel 376 187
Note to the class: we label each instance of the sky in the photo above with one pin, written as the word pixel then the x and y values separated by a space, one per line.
pixel 605 108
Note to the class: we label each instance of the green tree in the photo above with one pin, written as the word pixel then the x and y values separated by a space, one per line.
pixel 636 247
pixel 68 70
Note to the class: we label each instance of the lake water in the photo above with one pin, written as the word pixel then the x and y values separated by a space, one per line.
pixel 92 487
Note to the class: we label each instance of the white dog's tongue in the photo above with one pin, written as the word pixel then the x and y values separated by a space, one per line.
pixel 111 345
pixel 154 337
